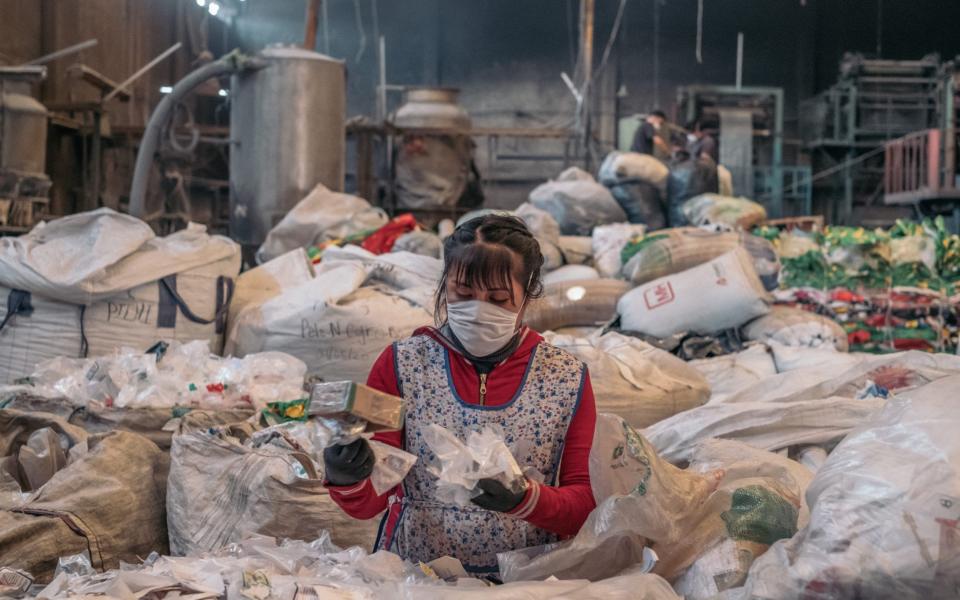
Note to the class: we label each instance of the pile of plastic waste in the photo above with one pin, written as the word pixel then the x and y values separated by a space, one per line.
pixel 174 375
pixel 260 568
pixel 890 289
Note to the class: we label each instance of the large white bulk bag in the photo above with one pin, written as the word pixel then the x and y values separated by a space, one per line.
pixel 540 223
pixel 634 380
pixel 96 255
pixel 340 319
pixel 717 295
pixel 734 372
pixel 883 510
pixel 322 215
pixel 577 202
pixel 180 289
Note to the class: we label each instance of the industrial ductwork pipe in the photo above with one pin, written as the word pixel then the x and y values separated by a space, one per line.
pixel 227 65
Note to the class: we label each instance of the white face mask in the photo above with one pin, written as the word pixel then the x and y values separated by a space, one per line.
pixel 481 327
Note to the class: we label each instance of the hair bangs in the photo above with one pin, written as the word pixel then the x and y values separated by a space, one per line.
pixel 485 266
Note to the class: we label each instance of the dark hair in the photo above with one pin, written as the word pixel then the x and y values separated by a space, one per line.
pixel 658 113
pixel 485 252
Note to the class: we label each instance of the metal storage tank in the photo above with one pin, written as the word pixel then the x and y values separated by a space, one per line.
pixel 432 107
pixel 23 122
pixel 433 157
pixel 24 186
pixel 287 124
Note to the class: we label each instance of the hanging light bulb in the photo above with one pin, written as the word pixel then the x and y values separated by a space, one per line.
pixel 213 9
pixel 201 3
pixel 223 93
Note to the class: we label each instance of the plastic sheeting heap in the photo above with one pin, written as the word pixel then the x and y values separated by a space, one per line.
pixel 884 511
pixel 182 375
pixel 258 569
pixel 816 405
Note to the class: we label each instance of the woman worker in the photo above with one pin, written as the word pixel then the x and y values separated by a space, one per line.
pixel 481 366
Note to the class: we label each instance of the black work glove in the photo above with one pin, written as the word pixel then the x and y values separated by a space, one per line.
pixel 349 464
pixel 497 497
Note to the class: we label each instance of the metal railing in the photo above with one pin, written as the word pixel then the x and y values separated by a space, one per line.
pixel 913 168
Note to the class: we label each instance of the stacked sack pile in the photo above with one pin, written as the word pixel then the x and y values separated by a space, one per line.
pixel 891 289
pixel 741 451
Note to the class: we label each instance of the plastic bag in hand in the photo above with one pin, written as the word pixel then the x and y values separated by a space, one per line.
pixel 459 466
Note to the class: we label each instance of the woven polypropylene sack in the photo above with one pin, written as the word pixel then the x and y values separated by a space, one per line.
pixel 220 491
pixel 721 294
pixel 151 423
pixel 634 380
pixel 107 501
pixel 714 209
pixel 674 250
pixel 797 327
pixel 582 303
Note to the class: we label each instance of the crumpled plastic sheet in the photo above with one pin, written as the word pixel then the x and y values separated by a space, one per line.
pixel 884 511
pixel 259 568
pixel 460 465
pixel 391 466
pixel 182 375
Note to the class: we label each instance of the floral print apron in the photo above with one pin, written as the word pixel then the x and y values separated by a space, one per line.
pixel 535 425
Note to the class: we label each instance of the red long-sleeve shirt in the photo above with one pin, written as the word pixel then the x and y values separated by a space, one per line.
pixel 561 509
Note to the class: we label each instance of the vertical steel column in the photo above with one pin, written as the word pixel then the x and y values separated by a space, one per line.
pixel 777 191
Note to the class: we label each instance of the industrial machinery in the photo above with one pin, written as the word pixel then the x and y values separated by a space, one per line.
pixel 844 127
pixel 749 120
pixel 24 185
pixel 920 168
pixel 287 128
pixel 286 134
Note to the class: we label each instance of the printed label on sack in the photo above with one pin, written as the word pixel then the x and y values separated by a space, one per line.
pixel 658 295
pixel 130 312
pixel 947 508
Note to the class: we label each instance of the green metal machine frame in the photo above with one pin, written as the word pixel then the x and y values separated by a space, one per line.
pixel 769 179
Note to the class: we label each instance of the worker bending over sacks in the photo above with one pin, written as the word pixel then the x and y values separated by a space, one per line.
pixel 480 366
